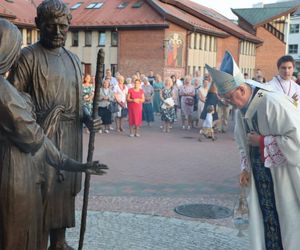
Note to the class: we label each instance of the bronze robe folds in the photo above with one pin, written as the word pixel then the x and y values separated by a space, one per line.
pixel 20 177
pixel 54 82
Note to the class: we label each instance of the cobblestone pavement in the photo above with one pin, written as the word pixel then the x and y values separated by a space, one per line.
pixel 125 231
pixel 132 206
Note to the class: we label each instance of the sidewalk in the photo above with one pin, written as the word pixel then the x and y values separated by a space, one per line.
pixel 132 207
pixel 127 231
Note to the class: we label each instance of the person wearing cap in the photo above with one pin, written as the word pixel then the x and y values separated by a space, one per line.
pixel 24 152
pixel 268 135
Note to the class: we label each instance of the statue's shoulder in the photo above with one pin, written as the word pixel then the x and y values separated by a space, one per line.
pixel 30 52
pixel 71 54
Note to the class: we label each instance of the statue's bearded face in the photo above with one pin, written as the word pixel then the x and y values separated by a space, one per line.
pixel 54 32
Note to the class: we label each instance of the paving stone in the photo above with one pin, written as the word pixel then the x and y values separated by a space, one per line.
pixel 125 231
pixel 132 207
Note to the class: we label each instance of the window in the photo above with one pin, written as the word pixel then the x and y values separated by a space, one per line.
pixel 90 6
pixel 88 38
pixel 75 39
pixel 21 31
pixel 253 50
pixel 87 69
pixel 114 38
pixel 195 41
pixel 94 6
pixel 294 28
pixel 98 6
pixel 102 39
pixel 215 44
pixel 212 43
pixel 200 42
pixel 114 69
pixel 293 49
pixel 194 70
pixel 137 4
pixel 242 48
pixel 29 37
pixel 191 41
pixel 76 6
pixel 207 44
pixel 122 5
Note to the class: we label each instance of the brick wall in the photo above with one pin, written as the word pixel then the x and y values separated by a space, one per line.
pixel 140 50
pixel 268 54
pixel 231 44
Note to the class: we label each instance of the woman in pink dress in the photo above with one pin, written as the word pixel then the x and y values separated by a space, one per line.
pixel 135 99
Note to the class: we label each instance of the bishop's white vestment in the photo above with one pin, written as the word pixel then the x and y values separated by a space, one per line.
pixel 273 116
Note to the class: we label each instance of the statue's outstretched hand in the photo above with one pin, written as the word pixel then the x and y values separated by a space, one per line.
pixel 95 168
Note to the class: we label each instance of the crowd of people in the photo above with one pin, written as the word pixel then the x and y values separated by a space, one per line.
pixel 142 98
pixel 188 99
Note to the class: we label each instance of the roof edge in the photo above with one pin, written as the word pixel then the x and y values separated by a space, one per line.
pixel 212 21
pixel 8 15
pixel 182 23
pixel 289 11
pixel 120 27
pixel 157 8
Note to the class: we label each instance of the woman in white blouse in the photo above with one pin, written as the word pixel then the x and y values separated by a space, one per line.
pixel 120 92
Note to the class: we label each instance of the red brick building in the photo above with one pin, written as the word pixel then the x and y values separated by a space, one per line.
pixel 166 36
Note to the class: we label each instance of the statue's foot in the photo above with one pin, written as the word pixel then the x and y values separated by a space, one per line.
pixel 63 246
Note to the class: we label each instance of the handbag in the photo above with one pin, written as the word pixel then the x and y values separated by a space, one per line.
pixel 113 107
pixel 124 112
pixel 189 101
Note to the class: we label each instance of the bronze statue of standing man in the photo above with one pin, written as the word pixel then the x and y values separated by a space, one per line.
pixel 52 76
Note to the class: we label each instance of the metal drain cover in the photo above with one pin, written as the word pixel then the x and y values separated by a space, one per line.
pixel 204 211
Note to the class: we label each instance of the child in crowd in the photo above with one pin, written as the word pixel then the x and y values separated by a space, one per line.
pixel 207 127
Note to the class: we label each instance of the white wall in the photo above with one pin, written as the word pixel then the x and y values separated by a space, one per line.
pixel 294 38
pixel 88 55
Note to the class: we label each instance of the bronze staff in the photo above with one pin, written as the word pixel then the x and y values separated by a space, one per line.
pixel 98 79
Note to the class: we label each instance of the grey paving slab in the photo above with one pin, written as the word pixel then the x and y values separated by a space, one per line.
pixel 127 231
pixel 160 206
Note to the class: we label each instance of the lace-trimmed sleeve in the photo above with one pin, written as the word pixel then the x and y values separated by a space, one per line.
pixel 244 163
pixel 273 156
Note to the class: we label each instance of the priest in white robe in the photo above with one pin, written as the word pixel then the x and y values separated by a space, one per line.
pixel 268 135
